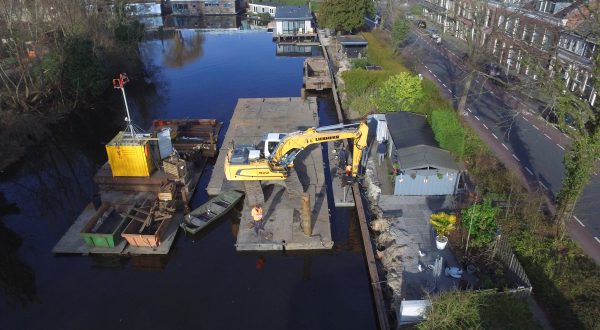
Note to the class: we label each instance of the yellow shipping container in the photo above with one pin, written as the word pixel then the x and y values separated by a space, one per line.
pixel 129 157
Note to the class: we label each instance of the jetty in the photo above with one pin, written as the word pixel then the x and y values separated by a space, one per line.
pixel 282 200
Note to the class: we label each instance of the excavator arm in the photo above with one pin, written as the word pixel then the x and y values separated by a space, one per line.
pixel 276 167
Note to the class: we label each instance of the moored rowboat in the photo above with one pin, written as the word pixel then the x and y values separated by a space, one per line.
pixel 210 211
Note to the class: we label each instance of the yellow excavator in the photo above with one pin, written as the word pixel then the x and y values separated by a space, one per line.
pixel 245 162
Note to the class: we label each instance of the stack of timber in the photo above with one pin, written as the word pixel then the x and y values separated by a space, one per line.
pixel 147 222
pixel 192 135
pixel 316 74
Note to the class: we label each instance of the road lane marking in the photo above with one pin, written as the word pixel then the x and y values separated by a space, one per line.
pixel 504 145
pixel 543 185
pixel 528 170
pixel 429 70
pixel 449 90
pixel 597 239
pixel 560 146
pixel 477 118
pixel 469 109
pixel 516 158
pixel 526 119
pixel 535 127
pixel 426 67
pixel 434 75
pixel 581 223
pixel 494 135
pixel 439 79
pixel 444 85
pixel 484 125
pixel 546 135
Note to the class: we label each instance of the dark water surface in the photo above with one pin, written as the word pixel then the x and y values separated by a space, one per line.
pixel 203 283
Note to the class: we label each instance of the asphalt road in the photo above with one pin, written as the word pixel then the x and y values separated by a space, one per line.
pixel 517 133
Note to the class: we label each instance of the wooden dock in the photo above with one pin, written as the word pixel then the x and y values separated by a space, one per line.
pixel 251 119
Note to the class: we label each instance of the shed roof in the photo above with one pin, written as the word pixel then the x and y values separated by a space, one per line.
pixel 415 144
pixel 409 129
pixel 352 40
pixel 293 13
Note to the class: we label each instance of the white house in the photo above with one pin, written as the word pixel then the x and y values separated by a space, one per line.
pixel 263 7
pixel 293 21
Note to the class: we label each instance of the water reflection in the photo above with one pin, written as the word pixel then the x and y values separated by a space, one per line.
pixel 17 279
pixel 185 48
pixel 213 22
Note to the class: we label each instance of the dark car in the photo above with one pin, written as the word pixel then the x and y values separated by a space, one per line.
pixel 503 79
pixel 551 116
pixel 492 69
pixel 421 24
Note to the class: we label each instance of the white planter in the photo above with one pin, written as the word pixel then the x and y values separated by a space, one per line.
pixel 440 242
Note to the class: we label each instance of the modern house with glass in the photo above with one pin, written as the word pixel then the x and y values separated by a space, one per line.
pixel 293 23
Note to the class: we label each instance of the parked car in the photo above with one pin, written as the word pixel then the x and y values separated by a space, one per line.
pixel 492 69
pixel 503 79
pixel 433 33
pixel 551 116
pixel 421 24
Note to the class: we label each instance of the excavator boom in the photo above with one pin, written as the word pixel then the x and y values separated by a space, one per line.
pixel 276 167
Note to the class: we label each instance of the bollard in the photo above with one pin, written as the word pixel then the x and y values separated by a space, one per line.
pixel 303 93
pixel 306 218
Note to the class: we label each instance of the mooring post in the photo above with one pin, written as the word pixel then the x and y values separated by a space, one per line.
pixel 306 219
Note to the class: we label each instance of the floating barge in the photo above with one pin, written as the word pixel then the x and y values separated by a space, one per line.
pixel 191 135
pixel 146 184
pixel 316 74
pixel 282 230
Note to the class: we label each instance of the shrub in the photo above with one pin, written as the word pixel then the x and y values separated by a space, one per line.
pixel 359 63
pixel 448 131
pixel 480 221
pixel 443 223
pixel 399 92
pixel 82 69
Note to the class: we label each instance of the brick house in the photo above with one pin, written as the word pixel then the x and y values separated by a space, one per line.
pixel 523 35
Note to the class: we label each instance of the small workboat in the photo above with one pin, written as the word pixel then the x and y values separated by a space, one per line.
pixel 210 211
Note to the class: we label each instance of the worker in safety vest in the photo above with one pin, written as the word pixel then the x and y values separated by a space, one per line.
pixel 257 216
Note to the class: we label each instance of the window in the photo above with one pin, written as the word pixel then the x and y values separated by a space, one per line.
pixel 547 41
pixel 292 27
pixel 526 34
pixel 510 25
pixel 535 37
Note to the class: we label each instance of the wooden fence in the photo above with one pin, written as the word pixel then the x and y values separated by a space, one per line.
pixel 503 251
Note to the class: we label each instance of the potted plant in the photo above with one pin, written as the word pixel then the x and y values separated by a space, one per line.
pixel 443 223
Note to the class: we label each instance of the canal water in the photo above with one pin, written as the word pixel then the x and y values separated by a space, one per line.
pixel 203 283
